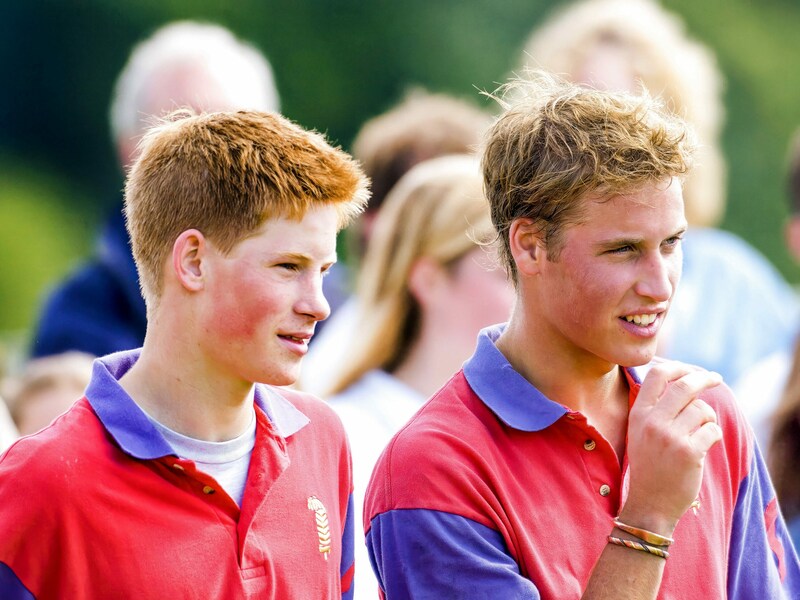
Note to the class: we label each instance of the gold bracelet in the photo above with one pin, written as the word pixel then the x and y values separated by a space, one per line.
pixel 637 546
pixel 644 535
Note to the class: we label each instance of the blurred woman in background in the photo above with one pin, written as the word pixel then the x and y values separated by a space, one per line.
pixel 784 451
pixel 427 286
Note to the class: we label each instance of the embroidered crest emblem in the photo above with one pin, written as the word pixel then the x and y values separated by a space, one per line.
pixel 323 529
pixel 695 506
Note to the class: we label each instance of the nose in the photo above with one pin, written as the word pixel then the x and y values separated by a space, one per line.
pixel 312 301
pixel 659 276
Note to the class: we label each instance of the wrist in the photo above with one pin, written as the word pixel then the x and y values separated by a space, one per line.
pixel 649 520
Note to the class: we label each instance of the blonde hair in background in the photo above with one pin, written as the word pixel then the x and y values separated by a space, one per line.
pixel 420 127
pixel 681 71
pixel 437 210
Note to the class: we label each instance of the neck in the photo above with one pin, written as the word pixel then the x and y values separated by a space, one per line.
pixel 595 388
pixel 184 394
pixel 432 360
pixel 578 382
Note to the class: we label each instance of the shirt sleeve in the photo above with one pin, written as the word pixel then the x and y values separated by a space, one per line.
pixel 762 562
pixel 421 554
pixel 347 568
pixel 10 585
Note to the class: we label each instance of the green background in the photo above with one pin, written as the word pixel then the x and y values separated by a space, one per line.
pixel 337 63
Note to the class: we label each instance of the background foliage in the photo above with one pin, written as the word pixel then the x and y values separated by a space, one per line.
pixel 337 63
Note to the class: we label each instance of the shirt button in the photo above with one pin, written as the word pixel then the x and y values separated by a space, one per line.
pixel 589 445
pixel 177 467
pixel 605 490
pixel 209 490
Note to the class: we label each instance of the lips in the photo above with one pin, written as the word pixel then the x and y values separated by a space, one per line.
pixel 296 342
pixel 300 338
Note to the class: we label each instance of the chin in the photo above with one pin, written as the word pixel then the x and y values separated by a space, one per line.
pixel 283 377
pixel 641 356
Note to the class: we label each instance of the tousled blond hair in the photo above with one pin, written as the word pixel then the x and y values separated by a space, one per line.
pixel 225 174
pixel 557 142
pixel 437 210
pixel 672 66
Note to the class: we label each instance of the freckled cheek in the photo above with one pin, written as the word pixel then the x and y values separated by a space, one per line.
pixel 586 296
pixel 239 312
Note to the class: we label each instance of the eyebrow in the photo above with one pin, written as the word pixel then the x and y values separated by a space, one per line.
pixel 299 258
pixel 632 241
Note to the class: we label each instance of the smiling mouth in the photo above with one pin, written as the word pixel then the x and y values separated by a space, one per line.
pixel 643 320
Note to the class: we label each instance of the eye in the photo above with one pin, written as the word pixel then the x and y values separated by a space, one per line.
pixel 288 266
pixel 673 242
pixel 621 249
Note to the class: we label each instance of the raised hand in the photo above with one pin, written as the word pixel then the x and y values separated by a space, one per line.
pixel 670 431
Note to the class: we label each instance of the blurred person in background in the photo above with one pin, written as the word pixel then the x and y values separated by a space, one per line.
pixel 99 309
pixel 425 289
pixel 46 388
pixel 783 453
pixel 421 126
pixel 732 307
pixel 782 426
pixel 770 391
pixel 761 387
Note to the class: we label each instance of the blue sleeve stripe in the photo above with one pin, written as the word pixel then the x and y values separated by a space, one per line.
pixel 348 539
pixel 11 587
pixel 753 566
pixel 348 550
pixel 421 553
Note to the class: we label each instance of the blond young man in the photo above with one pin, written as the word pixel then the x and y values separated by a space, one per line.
pixel 183 472
pixel 550 467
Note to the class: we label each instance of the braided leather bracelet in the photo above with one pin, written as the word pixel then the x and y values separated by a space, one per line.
pixel 637 546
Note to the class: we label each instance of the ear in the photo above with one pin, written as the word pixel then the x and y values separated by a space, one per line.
pixel 527 246
pixel 188 253
pixel 424 278
pixel 792 234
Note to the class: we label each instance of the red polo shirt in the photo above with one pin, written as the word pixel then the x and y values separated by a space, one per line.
pixel 98 506
pixel 493 490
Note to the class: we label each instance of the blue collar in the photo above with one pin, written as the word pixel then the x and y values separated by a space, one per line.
pixel 510 396
pixel 133 431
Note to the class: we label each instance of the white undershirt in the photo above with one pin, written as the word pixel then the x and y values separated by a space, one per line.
pixel 227 462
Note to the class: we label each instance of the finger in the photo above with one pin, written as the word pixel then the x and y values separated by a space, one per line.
pixel 705 437
pixel 684 390
pixel 657 380
pixel 693 416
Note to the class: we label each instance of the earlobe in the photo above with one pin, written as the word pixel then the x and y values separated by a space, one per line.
pixel 527 246
pixel 423 279
pixel 188 253
pixel 792 235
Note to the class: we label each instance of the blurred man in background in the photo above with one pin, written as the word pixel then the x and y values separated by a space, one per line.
pixel 99 309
